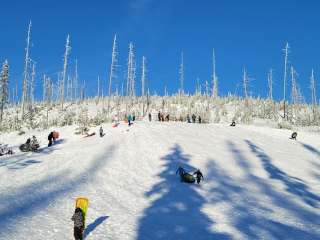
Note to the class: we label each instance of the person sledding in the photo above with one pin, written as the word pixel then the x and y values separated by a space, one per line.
pixel 4 150
pixel 31 145
pixel 78 219
pixel 199 175
pixel 233 124
pixel 34 144
pixel 184 176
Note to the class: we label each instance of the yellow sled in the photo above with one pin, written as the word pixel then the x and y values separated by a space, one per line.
pixel 82 203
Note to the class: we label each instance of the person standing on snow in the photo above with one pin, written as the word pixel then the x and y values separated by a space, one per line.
pixel 50 139
pixel 78 219
pixel 149 117
pixel 101 131
pixel 129 120
pixel 188 119
pixel 193 118
pixel 199 175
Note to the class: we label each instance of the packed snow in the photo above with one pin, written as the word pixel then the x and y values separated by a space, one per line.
pixel 258 184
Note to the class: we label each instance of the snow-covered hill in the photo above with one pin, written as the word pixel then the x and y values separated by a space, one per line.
pixel 258 184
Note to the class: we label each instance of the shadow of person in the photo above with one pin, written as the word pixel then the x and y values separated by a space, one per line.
pixel 92 226
pixel 177 211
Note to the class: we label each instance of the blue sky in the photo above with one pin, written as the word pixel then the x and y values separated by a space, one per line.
pixel 246 33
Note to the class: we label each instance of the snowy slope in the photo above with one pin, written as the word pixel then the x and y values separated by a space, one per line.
pixel 258 184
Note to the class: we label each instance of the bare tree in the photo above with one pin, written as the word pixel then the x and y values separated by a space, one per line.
pixel 131 72
pixel 313 94
pixel 181 72
pixel 114 61
pixel 25 74
pixel 143 76
pixel 64 72
pixel 31 89
pixel 245 81
pixel 270 84
pixel 75 84
pixel 214 76
pixel 286 51
pixel 4 87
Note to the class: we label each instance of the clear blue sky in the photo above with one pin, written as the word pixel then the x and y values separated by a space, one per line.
pixel 244 33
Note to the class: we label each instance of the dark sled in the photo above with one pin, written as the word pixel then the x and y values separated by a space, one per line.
pixel 294 136
pixel 29 148
pixel 188 178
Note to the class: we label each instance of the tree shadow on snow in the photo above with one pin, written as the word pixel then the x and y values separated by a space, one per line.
pixel 251 217
pixel 293 185
pixel 39 194
pixel 23 164
pixel 92 226
pixel 17 161
pixel 176 213
pixel 311 149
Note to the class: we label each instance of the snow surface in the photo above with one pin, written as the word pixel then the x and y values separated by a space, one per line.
pixel 258 184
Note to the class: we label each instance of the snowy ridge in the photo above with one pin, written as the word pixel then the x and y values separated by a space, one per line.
pixel 258 184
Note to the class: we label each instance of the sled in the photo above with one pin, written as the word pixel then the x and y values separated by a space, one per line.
pixel 188 178
pixel 294 136
pixel 115 125
pixel 90 135
pixel 83 203
pixel 29 148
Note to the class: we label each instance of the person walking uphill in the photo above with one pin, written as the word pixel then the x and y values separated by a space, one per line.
pixel 78 219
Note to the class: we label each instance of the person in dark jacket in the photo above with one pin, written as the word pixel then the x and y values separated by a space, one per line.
pixel 149 117
pixel 181 172
pixel 101 131
pixel 50 139
pixel 159 116
pixel 193 118
pixel 199 118
pixel 188 119
pixel 78 219
pixel 199 175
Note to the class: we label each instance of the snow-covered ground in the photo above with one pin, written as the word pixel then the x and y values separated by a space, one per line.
pixel 258 184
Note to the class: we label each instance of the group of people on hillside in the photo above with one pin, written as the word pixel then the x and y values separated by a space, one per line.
pixel 162 117
pixel 194 118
